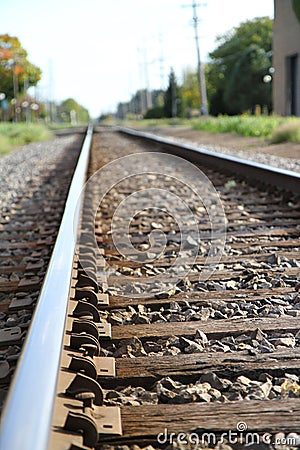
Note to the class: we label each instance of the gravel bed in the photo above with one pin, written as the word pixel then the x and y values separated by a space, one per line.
pixel 253 343
pixel 183 311
pixel 271 271
pixel 20 168
pixel 209 388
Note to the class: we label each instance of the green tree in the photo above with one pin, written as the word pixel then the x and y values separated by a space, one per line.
pixel 190 91
pixel 16 72
pixel 71 111
pixel 172 100
pixel 238 66
pixel 296 8
pixel 214 86
pixel 157 111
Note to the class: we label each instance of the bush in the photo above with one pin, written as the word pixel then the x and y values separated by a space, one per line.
pixel 157 112
pixel 288 132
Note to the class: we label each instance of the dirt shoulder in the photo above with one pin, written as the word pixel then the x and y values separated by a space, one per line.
pixel 231 141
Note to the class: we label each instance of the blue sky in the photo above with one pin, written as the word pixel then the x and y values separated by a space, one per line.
pixel 96 50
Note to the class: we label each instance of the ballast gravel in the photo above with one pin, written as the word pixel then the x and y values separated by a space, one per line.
pixel 20 169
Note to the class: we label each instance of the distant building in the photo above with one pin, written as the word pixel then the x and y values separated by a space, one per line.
pixel 286 57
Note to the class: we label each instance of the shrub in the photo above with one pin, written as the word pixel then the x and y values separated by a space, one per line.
pixel 157 112
pixel 287 132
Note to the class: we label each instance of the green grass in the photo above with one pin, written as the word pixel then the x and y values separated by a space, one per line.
pixel 258 126
pixel 274 128
pixel 13 135
pixel 277 129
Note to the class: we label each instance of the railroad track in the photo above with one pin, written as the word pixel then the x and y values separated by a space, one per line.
pixel 180 300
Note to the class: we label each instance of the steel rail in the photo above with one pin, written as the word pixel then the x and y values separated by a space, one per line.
pixel 252 170
pixel 27 416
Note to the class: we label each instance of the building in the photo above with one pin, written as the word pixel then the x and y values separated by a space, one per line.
pixel 286 57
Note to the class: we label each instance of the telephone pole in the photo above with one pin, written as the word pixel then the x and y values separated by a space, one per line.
pixel 148 93
pixel 146 102
pixel 200 68
pixel 161 62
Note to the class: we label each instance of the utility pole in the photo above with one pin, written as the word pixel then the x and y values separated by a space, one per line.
pixel 16 91
pixel 200 68
pixel 173 96
pixel 145 100
pixel 148 93
pixel 52 107
pixel 161 62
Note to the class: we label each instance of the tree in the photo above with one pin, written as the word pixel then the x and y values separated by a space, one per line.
pixel 157 110
pixel 172 101
pixel 296 8
pixel 190 91
pixel 16 72
pixel 214 86
pixel 238 66
pixel 71 111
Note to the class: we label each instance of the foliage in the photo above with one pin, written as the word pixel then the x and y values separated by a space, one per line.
pixel 296 8
pixel 237 68
pixel 172 100
pixel 157 112
pixel 287 132
pixel 262 126
pixel 235 78
pixel 190 90
pixel 15 69
pixel 15 134
pixel 214 88
pixel 71 111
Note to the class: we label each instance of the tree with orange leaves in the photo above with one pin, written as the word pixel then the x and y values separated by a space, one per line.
pixel 15 69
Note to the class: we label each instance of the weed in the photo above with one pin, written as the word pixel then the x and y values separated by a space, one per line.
pixel 258 126
pixel 287 132
pixel 16 134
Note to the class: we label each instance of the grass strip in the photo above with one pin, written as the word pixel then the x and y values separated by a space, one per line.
pixel 13 135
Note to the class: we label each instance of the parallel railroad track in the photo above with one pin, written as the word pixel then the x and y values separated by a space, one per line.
pixel 182 319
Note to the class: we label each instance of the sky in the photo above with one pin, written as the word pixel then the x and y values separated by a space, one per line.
pixel 100 52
